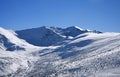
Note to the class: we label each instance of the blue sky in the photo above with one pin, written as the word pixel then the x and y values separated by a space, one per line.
pixel 103 15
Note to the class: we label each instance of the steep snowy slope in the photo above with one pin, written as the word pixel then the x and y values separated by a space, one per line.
pixel 9 41
pixel 43 36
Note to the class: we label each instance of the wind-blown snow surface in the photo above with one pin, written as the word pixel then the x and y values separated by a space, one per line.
pixel 90 54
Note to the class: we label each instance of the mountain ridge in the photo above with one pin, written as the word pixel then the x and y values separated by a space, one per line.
pixel 59 34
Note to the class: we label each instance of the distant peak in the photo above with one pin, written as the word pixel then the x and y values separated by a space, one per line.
pixel 75 27
pixel 88 30
pixel 78 27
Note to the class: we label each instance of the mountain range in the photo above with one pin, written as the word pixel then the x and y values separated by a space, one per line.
pixel 59 52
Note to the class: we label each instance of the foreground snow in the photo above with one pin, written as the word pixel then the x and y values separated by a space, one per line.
pixel 86 55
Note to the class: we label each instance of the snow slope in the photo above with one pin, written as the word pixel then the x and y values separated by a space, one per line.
pixel 86 54
pixel 81 57
pixel 10 41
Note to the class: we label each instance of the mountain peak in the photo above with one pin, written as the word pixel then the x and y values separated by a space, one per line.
pixel 73 31
pixel 75 28
pixel 42 36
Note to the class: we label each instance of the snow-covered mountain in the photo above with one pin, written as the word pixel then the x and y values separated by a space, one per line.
pixel 69 52
pixel 46 36
pixel 43 36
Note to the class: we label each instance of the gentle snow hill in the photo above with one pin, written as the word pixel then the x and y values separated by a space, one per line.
pixel 87 55
pixel 47 36
pixel 10 41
